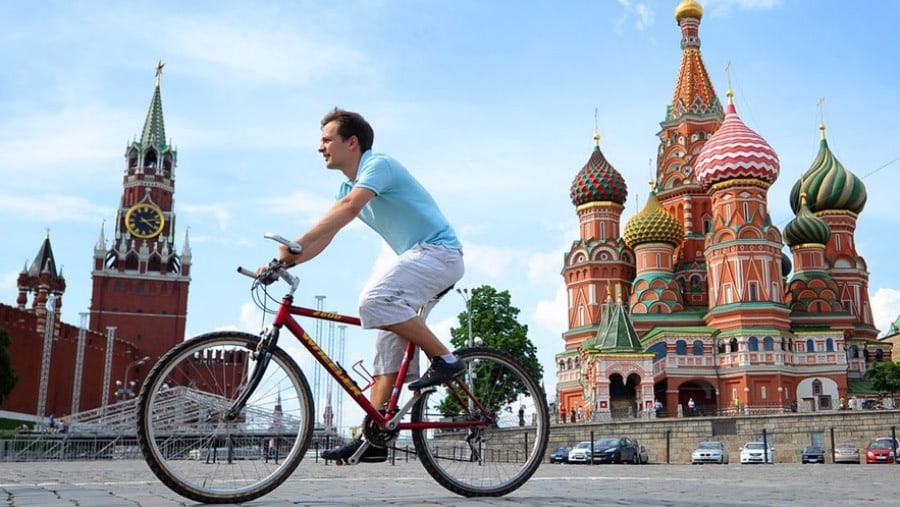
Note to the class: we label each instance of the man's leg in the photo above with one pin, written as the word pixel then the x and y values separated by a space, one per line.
pixel 381 389
pixel 444 365
pixel 391 304
pixel 417 332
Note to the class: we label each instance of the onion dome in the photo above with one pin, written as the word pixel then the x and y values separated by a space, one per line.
pixel 786 264
pixel 735 151
pixel 828 185
pixel 688 9
pixel 598 181
pixel 806 227
pixel 653 224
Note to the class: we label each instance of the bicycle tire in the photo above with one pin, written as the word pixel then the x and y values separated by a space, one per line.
pixel 193 449
pixel 491 460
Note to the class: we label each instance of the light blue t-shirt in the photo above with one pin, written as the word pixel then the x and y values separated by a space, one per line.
pixel 402 211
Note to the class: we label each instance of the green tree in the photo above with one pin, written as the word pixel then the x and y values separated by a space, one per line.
pixel 8 378
pixel 885 377
pixel 494 324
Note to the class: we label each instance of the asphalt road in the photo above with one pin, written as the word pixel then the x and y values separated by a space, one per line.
pixel 130 483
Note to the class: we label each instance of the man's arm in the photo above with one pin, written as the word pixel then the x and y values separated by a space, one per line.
pixel 320 235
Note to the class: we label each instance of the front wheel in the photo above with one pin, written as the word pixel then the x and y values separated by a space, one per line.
pixel 192 444
pixel 491 459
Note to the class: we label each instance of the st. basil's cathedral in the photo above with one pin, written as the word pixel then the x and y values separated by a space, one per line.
pixel 696 307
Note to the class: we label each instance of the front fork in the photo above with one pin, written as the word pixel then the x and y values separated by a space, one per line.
pixel 267 345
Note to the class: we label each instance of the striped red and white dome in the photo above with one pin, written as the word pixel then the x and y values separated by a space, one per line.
pixel 735 151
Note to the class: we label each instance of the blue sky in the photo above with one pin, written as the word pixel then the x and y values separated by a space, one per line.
pixel 491 104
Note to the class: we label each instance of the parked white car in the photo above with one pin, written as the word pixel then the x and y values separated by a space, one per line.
pixel 581 453
pixel 710 452
pixel 757 452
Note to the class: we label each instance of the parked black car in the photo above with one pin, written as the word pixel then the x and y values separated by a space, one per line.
pixel 616 450
pixel 812 454
pixel 560 455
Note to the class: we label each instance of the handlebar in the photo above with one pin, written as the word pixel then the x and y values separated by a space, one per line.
pixel 293 247
pixel 275 269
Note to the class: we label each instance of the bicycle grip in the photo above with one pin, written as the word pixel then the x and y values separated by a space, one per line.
pixel 246 272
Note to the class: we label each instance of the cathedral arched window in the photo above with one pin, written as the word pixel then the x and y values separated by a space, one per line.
pixel 854 352
pixel 768 343
pixel 829 345
pixel 659 350
pixel 879 355
pixel 817 387
pixel 733 345
pixel 810 345
pixel 753 344
pixel 698 348
pixel 681 348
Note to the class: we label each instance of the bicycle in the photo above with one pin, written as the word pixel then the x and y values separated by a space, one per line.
pixel 227 416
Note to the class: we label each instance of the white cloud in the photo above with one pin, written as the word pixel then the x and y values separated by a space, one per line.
pixel 62 143
pixel 552 314
pixel 545 267
pixel 491 262
pixel 727 7
pixel 300 203
pixel 220 212
pixel 270 54
pixel 885 308
pixel 52 207
pixel 641 12
pixel 10 280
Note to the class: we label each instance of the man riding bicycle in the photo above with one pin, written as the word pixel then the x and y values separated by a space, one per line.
pixel 385 196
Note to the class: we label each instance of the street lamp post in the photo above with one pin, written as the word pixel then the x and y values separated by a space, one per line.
pixel 125 388
pixel 747 403
pixel 470 340
pixel 464 292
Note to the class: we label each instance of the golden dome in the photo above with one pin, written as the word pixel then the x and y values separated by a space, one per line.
pixel 688 9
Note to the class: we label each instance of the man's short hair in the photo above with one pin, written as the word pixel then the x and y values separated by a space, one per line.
pixel 351 124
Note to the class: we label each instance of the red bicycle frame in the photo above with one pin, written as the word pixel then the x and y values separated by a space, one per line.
pixel 284 317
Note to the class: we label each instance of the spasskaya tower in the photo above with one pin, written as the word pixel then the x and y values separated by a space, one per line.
pixel 140 282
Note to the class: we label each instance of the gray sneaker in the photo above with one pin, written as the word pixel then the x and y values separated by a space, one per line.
pixel 438 373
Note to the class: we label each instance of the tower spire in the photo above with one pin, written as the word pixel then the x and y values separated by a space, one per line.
pixel 154 133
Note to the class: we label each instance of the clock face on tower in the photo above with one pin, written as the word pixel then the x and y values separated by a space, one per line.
pixel 144 220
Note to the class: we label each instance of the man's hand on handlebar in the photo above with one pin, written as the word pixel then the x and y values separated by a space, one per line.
pixel 269 273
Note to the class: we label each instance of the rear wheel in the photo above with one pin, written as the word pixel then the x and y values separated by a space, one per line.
pixel 190 442
pixel 495 458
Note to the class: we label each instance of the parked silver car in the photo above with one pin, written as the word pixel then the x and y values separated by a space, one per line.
pixel 846 453
pixel 710 451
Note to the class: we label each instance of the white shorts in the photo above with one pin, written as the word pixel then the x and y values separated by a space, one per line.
pixel 411 283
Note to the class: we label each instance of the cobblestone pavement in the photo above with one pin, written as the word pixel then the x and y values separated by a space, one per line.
pixel 315 484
